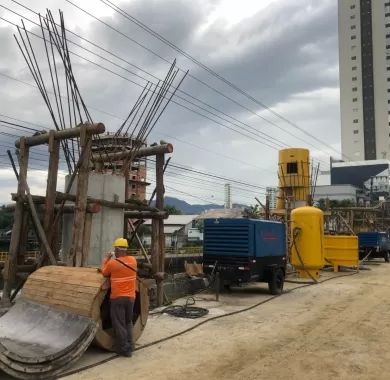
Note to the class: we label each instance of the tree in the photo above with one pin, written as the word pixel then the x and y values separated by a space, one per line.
pixel 172 210
pixel 252 212
pixel 6 218
pixel 334 203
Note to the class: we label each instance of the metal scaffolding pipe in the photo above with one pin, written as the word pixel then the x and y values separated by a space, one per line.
pixel 142 152
pixel 43 138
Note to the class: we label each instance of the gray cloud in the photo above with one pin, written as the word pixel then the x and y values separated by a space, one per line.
pixel 285 55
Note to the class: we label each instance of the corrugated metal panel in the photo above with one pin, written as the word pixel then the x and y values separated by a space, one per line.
pixel 248 237
pixel 228 237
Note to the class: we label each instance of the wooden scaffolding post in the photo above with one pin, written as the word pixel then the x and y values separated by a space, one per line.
pixel 81 199
pixel 51 188
pixel 9 273
pixel 160 190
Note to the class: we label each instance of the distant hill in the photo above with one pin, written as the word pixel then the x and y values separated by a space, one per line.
pixel 191 209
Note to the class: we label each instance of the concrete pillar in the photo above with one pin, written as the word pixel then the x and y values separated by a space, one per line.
pixel 107 225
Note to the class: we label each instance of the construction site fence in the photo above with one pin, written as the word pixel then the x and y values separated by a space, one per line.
pixel 135 252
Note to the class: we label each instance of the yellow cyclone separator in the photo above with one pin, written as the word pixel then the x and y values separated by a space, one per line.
pixel 294 176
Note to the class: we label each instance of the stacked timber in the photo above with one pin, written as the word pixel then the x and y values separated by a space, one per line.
pixel 60 312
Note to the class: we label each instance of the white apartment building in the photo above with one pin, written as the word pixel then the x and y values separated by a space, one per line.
pixel 272 193
pixel 364 51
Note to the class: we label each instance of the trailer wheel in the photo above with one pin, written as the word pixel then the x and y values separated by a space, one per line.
pixel 275 284
pixel 386 256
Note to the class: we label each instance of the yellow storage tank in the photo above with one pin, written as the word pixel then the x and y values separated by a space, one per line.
pixel 307 234
pixel 294 176
pixel 340 250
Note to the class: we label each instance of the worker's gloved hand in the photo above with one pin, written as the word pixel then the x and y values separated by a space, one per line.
pixel 99 270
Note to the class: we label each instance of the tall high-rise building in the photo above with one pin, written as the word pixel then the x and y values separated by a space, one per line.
pixel 228 196
pixel 272 193
pixel 364 51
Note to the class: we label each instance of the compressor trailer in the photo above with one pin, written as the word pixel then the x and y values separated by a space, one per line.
pixel 245 250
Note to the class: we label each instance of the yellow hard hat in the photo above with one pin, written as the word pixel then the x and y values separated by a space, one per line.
pixel 121 243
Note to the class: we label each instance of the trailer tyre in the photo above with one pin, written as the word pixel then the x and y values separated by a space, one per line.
pixel 276 282
pixel 386 256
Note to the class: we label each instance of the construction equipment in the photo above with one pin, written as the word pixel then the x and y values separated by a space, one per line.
pixel 307 251
pixel 243 250
pixel 341 250
pixel 377 243
pixel 60 312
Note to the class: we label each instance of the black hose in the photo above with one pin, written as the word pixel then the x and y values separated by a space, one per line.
pixel 296 232
pixel 114 356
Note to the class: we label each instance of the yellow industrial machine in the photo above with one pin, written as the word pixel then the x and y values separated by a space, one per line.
pixel 307 230
pixel 340 250
pixel 294 177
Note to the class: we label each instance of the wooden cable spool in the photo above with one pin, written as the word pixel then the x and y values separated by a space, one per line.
pixel 84 291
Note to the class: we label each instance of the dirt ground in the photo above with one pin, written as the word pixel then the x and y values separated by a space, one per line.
pixel 339 329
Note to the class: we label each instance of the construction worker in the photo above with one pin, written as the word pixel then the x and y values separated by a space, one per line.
pixel 122 270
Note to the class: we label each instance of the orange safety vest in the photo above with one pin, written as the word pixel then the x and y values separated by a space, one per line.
pixel 123 280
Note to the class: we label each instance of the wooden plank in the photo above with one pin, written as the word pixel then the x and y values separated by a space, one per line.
pixel 60 304
pixel 79 300
pixel 53 294
pixel 69 281
pixel 86 238
pixel 160 224
pixel 81 275
pixel 65 278
pixel 10 269
pixel 68 288
pixel 51 188
pixel 56 269
pixel 81 199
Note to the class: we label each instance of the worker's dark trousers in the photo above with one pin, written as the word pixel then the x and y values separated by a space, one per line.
pixel 121 310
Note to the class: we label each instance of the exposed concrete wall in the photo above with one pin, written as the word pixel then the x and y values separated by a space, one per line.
pixel 107 225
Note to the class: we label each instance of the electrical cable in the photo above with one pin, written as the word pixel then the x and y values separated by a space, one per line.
pixel 296 232
pixel 185 311
pixel 162 340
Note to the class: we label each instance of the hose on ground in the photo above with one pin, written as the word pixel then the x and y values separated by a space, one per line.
pixel 114 356
pixel 296 232
pixel 184 311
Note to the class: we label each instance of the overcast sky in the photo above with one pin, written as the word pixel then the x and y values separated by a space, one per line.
pixel 282 52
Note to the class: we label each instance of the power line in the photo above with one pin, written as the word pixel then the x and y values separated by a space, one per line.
pixel 203 66
pixel 116 117
pixel 266 137
pixel 187 94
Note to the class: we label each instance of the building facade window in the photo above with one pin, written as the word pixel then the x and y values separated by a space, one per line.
pixel 354 89
pixel 355 131
pixel 354 79
pixel 354 68
pixel 353 58
pixel 355 100
pixel 355 121
pixel 353 37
